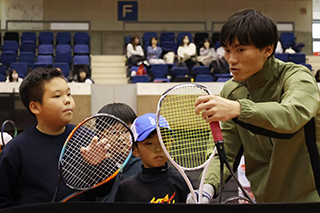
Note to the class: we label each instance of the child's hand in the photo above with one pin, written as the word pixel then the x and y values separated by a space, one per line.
pixel 96 151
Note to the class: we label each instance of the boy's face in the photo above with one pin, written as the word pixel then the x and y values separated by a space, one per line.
pixel 150 152
pixel 245 60
pixel 57 105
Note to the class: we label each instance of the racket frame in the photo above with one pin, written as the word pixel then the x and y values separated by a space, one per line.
pixel 178 167
pixel 81 190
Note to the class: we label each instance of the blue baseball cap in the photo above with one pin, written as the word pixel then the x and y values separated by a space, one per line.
pixel 145 124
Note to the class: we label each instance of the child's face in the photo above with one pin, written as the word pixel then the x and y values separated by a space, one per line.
pixel 150 152
pixel 57 105
pixel 245 60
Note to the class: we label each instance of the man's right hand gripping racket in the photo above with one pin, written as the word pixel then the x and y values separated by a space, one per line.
pixel 94 152
pixel 192 143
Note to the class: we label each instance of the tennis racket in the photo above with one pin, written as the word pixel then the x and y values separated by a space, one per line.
pixel 194 143
pixel 14 131
pixel 94 153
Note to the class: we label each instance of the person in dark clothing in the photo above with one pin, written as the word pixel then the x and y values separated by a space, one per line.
pixel 29 163
pixel 156 183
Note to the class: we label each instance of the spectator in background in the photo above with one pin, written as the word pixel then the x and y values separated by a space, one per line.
pixel 154 52
pixel 13 76
pixel 83 77
pixel 207 53
pixel 135 52
pixel 187 53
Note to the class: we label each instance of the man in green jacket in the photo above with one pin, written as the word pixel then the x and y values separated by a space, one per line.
pixel 270 113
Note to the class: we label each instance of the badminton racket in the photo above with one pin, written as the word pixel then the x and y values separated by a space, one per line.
pixel 192 143
pixel 94 153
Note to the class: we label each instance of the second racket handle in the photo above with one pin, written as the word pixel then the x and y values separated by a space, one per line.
pixel 216 131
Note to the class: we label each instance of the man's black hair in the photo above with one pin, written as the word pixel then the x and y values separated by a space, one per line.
pixel 250 27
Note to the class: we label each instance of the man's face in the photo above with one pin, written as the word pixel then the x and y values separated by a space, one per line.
pixel 246 60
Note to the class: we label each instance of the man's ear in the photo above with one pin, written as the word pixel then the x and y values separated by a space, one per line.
pixel 135 151
pixel 269 50
pixel 35 107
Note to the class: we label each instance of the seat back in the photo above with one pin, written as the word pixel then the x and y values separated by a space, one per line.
pixel 179 71
pixel 166 36
pixel 204 78
pixel 81 59
pixel 8 57
pixel 27 57
pixel 63 66
pixel 45 49
pixel 63 57
pixel 46 37
pixel 29 36
pixel 287 40
pixel 47 59
pixel 12 36
pixel 63 48
pixel 20 67
pixel 159 70
pixel 63 38
pixel 10 45
pixel 140 79
pixel 198 70
pixel 81 38
pixel 81 49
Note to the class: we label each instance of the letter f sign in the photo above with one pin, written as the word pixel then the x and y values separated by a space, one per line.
pixel 127 10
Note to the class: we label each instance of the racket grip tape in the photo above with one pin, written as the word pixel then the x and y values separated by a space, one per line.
pixel 216 131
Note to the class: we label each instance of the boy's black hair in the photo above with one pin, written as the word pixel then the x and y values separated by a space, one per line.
pixel 250 27
pixel 32 86
pixel 120 110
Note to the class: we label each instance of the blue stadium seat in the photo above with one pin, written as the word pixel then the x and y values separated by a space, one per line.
pixel 39 64
pixel 81 38
pixel 81 59
pixel 46 37
pixel 63 66
pixel 2 78
pixel 297 58
pixel 140 79
pixel 175 71
pixel 282 56
pixel 287 40
pixel 204 78
pixel 63 57
pixel 45 49
pixel 63 48
pixel 197 70
pixel 166 36
pixel 27 57
pixel 81 49
pixel 169 46
pixel 63 38
pixel 29 36
pixel 8 57
pixel 20 67
pixel 182 78
pixel 159 70
pixel 10 45
pixel 47 59
pixel 3 70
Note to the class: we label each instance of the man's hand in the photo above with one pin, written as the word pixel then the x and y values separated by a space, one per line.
pixel 216 108
pixel 96 151
pixel 207 193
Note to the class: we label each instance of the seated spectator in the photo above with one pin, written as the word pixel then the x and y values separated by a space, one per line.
pixel 154 52
pixel 207 53
pixel 13 76
pixel 135 52
pixel 187 53
pixel 82 77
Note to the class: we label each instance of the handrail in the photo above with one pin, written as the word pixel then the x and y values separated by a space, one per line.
pixel 47 21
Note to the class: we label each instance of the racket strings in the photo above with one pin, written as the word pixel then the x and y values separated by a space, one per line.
pixel 192 140
pixel 80 173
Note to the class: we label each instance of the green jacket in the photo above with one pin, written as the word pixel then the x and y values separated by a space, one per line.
pixel 278 132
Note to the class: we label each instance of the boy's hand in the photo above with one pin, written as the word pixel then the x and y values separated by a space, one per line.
pixel 96 151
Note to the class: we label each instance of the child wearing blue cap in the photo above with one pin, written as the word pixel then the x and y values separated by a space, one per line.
pixel 156 182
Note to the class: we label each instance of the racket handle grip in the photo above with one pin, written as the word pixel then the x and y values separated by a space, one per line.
pixel 216 131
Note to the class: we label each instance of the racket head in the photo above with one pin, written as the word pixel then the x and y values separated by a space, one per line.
pixel 81 175
pixel 190 141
